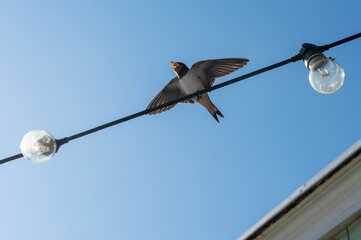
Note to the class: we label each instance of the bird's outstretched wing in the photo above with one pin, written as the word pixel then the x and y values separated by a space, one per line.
pixel 170 92
pixel 209 70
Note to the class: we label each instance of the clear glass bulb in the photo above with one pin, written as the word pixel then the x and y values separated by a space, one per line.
pixel 326 76
pixel 38 146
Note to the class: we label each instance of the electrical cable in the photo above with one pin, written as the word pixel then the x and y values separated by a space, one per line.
pixel 298 57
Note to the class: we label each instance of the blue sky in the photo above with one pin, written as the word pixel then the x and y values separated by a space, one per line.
pixel 67 66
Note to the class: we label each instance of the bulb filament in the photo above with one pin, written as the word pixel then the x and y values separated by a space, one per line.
pixel 324 75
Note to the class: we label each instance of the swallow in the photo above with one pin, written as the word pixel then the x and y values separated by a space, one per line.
pixel 201 76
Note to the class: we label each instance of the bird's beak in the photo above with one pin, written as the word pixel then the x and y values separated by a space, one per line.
pixel 174 65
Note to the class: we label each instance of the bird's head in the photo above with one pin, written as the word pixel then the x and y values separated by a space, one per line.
pixel 179 68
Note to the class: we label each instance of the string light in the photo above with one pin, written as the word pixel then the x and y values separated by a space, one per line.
pixel 326 76
pixel 38 146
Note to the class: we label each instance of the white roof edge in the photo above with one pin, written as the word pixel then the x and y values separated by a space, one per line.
pixel 319 177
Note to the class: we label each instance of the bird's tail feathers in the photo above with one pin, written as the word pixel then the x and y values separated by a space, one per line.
pixel 207 104
pixel 215 113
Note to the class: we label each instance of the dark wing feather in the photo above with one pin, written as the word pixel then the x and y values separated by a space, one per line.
pixel 170 92
pixel 209 70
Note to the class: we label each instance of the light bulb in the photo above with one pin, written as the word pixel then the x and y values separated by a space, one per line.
pixel 326 75
pixel 38 146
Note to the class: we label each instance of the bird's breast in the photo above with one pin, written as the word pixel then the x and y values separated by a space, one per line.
pixel 191 82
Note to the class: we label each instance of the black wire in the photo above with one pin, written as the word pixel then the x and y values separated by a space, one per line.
pixel 11 158
pixel 62 141
pixel 138 114
pixel 342 41
pixel 295 58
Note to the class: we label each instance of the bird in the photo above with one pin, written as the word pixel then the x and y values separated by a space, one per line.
pixel 200 76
